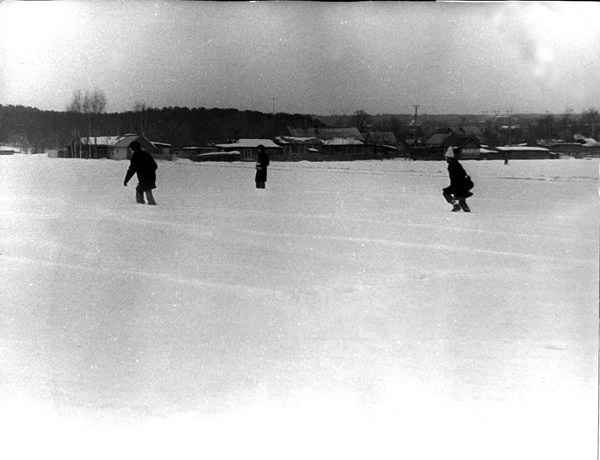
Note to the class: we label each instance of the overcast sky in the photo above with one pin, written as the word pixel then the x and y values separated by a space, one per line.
pixel 317 58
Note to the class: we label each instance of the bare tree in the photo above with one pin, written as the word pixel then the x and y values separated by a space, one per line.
pixel 91 104
pixel 76 104
pixel 141 108
pixel 361 119
pixel 590 119
pixel 97 102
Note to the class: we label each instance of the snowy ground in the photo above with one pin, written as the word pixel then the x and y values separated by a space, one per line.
pixel 343 312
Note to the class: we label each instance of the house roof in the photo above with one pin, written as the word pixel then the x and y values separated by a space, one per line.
pixel 520 148
pixel 112 141
pixel 484 150
pixel 100 140
pixel 382 137
pixel 297 140
pixel 250 143
pixel 438 139
pixel 125 140
pixel 342 141
pixel 326 133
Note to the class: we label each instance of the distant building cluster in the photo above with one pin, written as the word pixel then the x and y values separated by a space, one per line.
pixel 316 144
pixel 330 144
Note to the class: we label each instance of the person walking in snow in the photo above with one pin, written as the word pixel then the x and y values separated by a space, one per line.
pixel 262 163
pixel 460 184
pixel 142 164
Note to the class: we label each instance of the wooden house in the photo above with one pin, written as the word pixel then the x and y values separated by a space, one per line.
pixel 192 152
pixel 248 148
pixel 92 147
pixel 345 149
pixel 523 152
pixel 7 150
pixel 163 151
pixel 327 133
pixel 436 145
pixel 120 149
pixel 112 147
pixel 382 144
pixel 577 149
pixel 299 148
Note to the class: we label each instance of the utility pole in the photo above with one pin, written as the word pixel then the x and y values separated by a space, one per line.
pixel 89 134
pixel 509 112
pixel 273 133
pixel 416 112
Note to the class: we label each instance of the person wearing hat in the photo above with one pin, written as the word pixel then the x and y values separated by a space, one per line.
pixel 142 164
pixel 460 183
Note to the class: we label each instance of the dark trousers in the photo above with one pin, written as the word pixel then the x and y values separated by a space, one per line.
pixel 139 195
pixel 456 200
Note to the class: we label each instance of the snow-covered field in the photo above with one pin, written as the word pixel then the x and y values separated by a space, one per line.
pixel 343 312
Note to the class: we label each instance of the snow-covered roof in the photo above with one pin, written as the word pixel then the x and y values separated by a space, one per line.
pixel 343 141
pixel 215 154
pixel 591 143
pixel 250 143
pixel 101 140
pixel 438 139
pixel 297 140
pixel 522 148
pixel 326 133
pixel 124 141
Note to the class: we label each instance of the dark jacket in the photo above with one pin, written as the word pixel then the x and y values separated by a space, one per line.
pixel 145 167
pixel 261 167
pixel 458 179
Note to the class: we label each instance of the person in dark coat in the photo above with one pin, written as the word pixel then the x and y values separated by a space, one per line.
pixel 262 163
pixel 459 190
pixel 145 167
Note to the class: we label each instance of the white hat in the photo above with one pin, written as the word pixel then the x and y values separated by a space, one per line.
pixel 449 153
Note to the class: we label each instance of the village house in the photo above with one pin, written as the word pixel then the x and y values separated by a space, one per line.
pixel 347 143
pixel 90 147
pixel 163 151
pixel 344 148
pixel 436 145
pixel 327 134
pixel 299 148
pixel 524 152
pixel 120 149
pixel 113 147
pixel 383 144
pixel 192 152
pixel 248 148
pixel 7 150
pixel 586 149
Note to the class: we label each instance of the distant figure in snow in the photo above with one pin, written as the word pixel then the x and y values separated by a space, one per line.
pixel 262 163
pixel 145 167
pixel 505 158
pixel 460 184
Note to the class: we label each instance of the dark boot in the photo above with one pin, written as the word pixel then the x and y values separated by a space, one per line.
pixel 448 197
pixel 139 197
pixel 462 202
pixel 150 197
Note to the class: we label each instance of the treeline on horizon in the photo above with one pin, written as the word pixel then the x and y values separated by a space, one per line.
pixel 40 130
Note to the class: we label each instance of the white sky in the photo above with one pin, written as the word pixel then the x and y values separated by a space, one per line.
pixel 323 58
